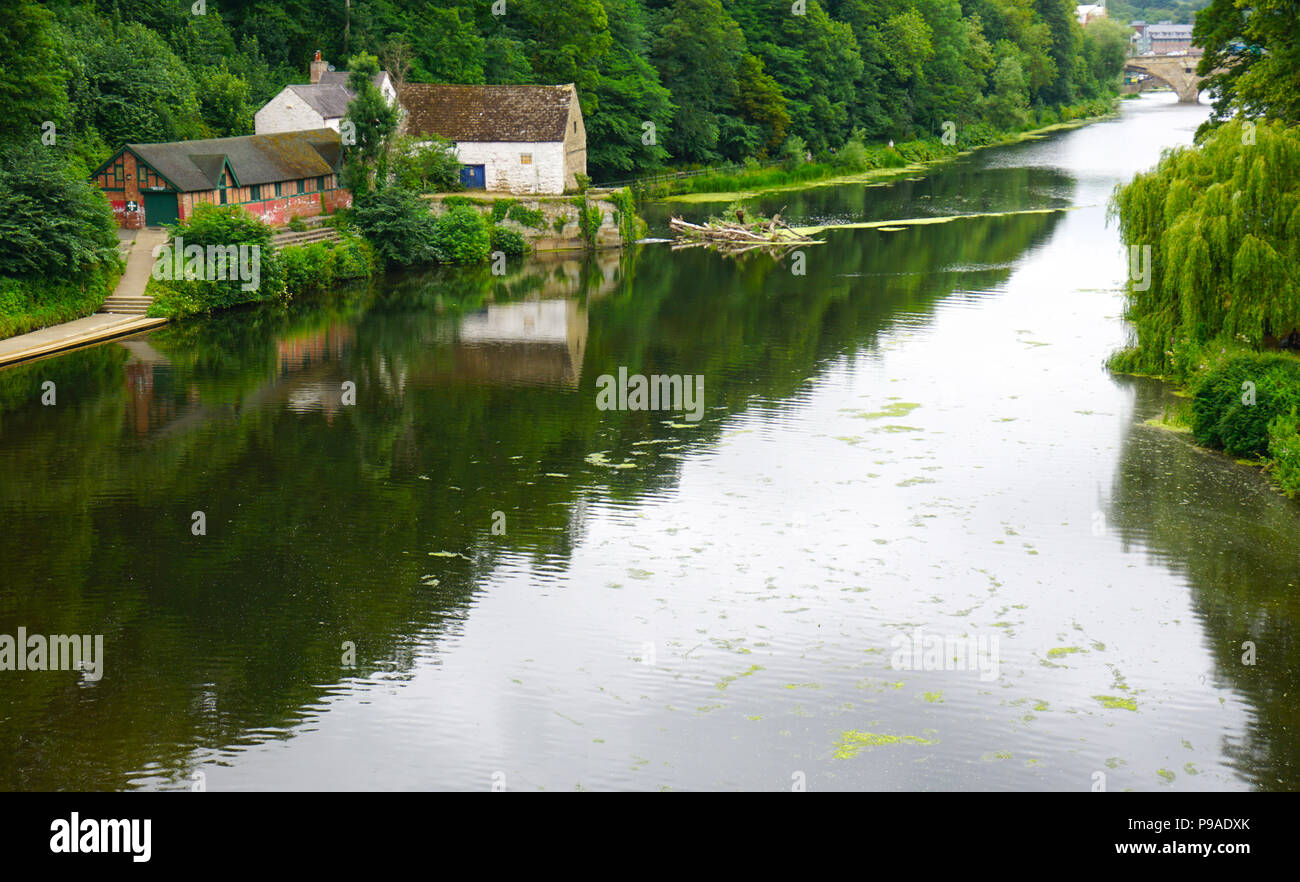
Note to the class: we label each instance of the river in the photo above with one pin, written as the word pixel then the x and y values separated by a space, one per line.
pixel 470 576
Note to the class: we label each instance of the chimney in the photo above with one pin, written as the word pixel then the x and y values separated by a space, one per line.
pixel 318 67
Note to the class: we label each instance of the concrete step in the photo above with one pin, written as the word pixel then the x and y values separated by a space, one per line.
pixel 325 234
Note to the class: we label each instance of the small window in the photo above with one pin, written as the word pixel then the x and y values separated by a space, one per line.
pixel 255 192
pixel 525 159
pixel 575 125
pixel 320 183
pixel 279 188
pixel 302 186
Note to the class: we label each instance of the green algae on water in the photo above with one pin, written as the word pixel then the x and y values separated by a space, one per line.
pixel 852 742
pixel 1114 703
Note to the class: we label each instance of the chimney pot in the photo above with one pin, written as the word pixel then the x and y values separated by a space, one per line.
pixel 318 67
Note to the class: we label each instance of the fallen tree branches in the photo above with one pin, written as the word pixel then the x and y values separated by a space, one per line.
pixel 737 238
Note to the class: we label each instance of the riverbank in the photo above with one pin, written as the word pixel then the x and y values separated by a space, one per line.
pixel 1238 402
pixel 888 162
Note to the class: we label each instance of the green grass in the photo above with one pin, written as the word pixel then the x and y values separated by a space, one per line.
pixel 32 304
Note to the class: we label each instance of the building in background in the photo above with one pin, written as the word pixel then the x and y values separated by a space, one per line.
pixel 1161 38
pixel 509 139
pixel 1088 12
pixel 274 177
pixel 319 104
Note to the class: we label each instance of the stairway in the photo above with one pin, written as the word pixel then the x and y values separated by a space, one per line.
pixel 306 237
pixel 129 297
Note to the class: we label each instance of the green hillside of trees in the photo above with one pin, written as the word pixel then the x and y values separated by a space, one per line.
pixel 720 81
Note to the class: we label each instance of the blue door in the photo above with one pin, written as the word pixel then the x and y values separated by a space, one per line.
pixel 474 177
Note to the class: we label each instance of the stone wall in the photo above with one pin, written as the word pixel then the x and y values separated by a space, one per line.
pixel 560 229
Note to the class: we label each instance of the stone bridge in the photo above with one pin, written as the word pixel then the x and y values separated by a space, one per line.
pixel 1178 71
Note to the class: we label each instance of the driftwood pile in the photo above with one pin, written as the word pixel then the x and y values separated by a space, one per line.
pixel 737 237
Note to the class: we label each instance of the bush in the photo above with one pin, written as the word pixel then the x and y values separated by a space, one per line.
pixel 226 231
pixel 1284 448
pixel 321 264
pixel 589 220
pixel 1235 402
pixel 509 242
pixel 853 155
pixel 501 208
pixel 297 224
pixel 33 303
pixel 528 217
pixel 425 167
pixel 399 224
pixel 53 221
pixel 462 235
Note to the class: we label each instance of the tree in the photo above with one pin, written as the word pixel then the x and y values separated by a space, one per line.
pixel 32 75
pixel 1252 58
pixel 369 123
pixel 698 51
pixel 627 94
pixel 53 222
pixel 1007 106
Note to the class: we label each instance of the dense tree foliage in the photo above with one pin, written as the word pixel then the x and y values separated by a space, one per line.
pixel 1222 222
pixel 661 81
pixel 1255 50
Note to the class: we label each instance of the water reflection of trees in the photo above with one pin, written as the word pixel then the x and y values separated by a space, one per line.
pixel 321 517
pixel 1220 527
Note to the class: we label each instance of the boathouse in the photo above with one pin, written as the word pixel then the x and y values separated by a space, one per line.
pixel 275 177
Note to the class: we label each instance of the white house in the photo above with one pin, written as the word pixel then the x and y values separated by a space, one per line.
pixel 320 104
pixel 510 139
pixel 1089 12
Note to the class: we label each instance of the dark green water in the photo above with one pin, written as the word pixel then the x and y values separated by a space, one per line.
pixel 919 433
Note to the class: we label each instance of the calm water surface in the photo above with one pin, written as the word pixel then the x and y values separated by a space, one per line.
pixel 917 434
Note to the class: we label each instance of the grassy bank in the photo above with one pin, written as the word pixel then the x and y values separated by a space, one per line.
pixel 864 163
pixel 1214 290
pixel 1237 400
pixel 31 304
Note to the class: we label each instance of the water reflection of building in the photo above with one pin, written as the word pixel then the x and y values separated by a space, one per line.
pixel 145 409
pixel 535 342
pixel 309 378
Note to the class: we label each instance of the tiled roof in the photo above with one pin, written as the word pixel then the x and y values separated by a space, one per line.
pixel 255 159
pixel 488 113
pixel 328 99
pixel 340 78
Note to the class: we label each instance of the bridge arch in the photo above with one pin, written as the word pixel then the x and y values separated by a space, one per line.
pixel 1177 71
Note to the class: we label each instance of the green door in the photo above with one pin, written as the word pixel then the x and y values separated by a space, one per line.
pixel 160 207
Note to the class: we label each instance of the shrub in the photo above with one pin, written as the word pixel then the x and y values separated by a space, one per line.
pixel 297 224
pixel 320 264
pixel 1284 448
pixel 399 224
pixel 29 304
pixel 589 220
pixel 53 222
pixel 794 152
pixel 853 155
pixel 501 208
pixel 462 235
pixel 224 232
pixel 528 217
pixel 1236 401
pixel 510 242
pixel 425 167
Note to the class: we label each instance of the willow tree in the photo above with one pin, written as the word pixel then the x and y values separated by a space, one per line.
pixel 1222 222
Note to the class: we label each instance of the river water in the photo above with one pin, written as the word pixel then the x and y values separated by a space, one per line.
pixel 473 577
